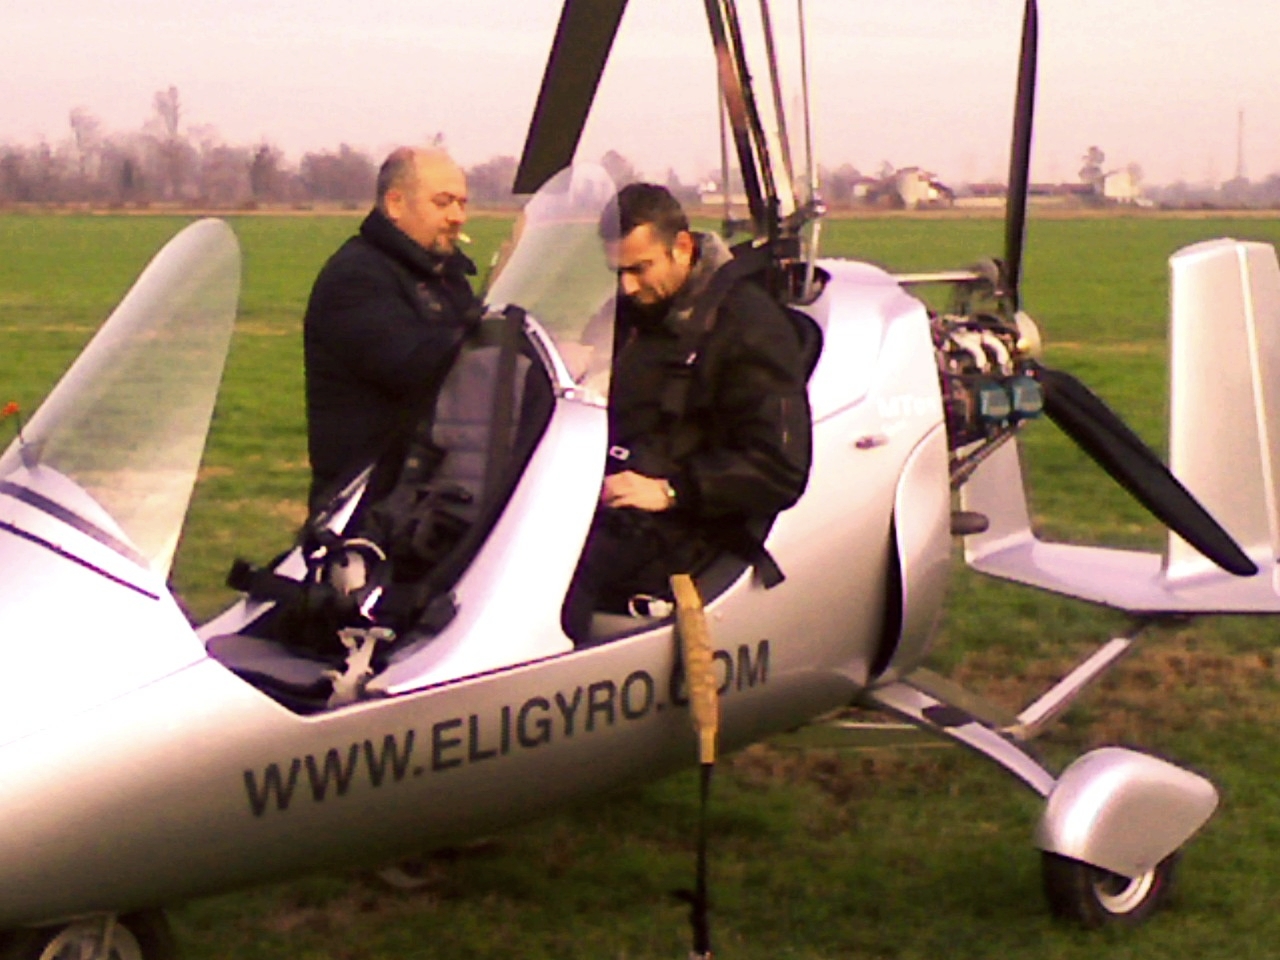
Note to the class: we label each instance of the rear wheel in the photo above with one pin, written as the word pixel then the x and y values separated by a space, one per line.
pixel 410 874
pixel 134 936
pixel 1095 897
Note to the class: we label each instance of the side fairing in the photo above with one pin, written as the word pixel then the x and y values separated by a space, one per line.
pixel 922 541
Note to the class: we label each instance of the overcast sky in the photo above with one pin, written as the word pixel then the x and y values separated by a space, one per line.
pixel 913 82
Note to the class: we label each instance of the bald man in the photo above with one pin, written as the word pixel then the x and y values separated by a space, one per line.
pixel 386 316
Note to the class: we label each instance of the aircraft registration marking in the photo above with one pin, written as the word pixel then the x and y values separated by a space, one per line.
pixel 458 741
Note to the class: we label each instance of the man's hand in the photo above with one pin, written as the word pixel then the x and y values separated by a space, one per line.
pixel 631 489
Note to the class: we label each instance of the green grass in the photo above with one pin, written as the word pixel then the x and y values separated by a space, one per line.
pixel 884 854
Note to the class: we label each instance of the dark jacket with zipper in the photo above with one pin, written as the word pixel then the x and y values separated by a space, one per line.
pixel 740 448
pixel 382 327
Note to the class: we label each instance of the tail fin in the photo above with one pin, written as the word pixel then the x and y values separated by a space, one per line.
pixel 1224 415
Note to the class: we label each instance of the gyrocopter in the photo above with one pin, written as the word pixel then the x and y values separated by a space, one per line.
pixel 145 761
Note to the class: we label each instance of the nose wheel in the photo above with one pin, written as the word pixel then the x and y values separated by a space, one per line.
pixel 134 936
pixel 1095 897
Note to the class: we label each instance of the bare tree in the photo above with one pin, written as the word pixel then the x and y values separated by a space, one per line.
pixel 14 184
pixel 224 175
pixel 344 177
pixel 266 179
pixel 130 181
pixel 838 184
pixel 175 156
pixel 491 181
pixel 684 192
pixel 619 168
pixel 1091 173
pixel 86 134
pixel 168 111
pixel 48 174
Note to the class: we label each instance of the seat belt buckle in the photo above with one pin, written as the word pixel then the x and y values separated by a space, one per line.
pixel 349 684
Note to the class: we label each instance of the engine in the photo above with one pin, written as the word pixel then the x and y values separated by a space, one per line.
pixel 988 375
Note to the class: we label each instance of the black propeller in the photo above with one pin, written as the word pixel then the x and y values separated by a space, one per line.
pixel 578 54
pixel 1079 413
pixel 1131 463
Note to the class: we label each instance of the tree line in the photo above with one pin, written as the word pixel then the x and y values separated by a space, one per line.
pixel 169 161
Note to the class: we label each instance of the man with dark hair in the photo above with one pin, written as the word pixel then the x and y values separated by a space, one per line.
pixel 709 425
pixel 386 315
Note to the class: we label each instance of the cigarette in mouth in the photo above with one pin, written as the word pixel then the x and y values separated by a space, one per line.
pixel 463 237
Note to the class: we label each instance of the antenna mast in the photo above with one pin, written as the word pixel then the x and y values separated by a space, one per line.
pixel 1240 144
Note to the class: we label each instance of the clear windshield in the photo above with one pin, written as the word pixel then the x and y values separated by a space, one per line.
pixel 554 267
pixel 127 422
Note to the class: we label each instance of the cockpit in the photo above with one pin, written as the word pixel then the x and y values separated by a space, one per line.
pixel 456 560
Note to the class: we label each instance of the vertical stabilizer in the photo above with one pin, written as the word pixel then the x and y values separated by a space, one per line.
pixel 1224 419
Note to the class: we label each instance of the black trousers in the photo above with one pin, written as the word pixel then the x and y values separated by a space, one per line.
pixel 628 553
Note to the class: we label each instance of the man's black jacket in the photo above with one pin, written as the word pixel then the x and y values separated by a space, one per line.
pixel 382 326
pixel 741 448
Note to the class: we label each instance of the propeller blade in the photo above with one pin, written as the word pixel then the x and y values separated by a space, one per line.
pixel 1131 463
pixel 578 55
pixel 1020 154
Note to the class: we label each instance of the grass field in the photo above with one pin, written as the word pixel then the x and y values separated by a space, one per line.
pixel 877 854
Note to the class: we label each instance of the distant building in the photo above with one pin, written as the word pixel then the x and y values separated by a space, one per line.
pixel 909 188
pixel 981 196
pixel 862 189
pixel 1122 187
pixel 710 195
pixel 917 189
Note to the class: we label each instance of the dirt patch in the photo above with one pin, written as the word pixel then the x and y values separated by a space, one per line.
pixel 841 775
pixel 1170 682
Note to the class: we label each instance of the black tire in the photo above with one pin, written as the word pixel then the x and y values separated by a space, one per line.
pixel 1094 897
pixel 137 936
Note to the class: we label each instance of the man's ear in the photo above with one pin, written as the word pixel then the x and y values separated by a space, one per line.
pixel 682 248
pixel 393 204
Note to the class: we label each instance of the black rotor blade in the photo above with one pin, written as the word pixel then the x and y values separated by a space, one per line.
pixel 1131 463
pixel 739 104
pixel 1015 219
pixel 578 55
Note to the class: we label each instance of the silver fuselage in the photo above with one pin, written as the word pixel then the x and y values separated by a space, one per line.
pixel 135 770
